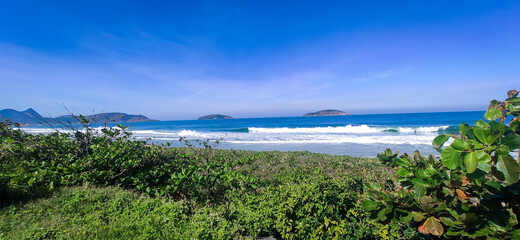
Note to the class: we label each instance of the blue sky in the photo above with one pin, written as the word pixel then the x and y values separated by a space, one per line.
pixel 183 59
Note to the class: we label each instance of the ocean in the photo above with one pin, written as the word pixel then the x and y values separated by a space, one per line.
pixel 354 135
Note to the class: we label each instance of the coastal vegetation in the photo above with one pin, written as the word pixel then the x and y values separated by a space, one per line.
pixel 104 183
pixel 94 184
pixel 472 191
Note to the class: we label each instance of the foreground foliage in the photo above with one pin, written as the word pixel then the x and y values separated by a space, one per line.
pixel 108 185
pixel 472 191
pixel 87 212
pixel 113 157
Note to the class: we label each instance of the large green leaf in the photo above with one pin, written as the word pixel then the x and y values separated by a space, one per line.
pixel 460 145
pixel 503 150
pixel 476 144
pixel 419 182
pixel 381 215
pixel 484 162
pixel 481 131
pixel 440 140
pixel 419 191
pixel 468 218
pixel 515 110
pixel 472 160
pixel 497 130
pixel 402 172
pixel 512 141
pixel 402 162
pixel 450 158
pixel 450 222
pixel 509 167
pixel 369 205
pixel 513 100
pixel 488 133
pixel 464 129
pixel 493 114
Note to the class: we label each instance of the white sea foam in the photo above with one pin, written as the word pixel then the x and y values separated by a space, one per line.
pixel 421 129
pixel 169 134
pixel 190 133
pixel 328 139
pixel 345 129
pixel 361 129
pixel 296 138
pixel 38 130
pixel 151 133
pixel 361 134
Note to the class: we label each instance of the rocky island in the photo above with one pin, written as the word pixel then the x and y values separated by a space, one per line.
pixel 327 112
pixel 214 116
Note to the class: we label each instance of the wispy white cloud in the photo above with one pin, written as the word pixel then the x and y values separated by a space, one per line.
pixel 383 74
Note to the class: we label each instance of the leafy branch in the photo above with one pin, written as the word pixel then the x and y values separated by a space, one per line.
pixel 472 191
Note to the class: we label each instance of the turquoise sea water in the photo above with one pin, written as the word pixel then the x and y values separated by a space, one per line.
pixel 355 135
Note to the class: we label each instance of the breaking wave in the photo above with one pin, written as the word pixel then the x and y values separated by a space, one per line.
pixel 360 134
pixel 361 129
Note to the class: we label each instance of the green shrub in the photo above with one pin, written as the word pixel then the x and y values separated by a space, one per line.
pixel 472 191
pixel 314 208
pixel 112 156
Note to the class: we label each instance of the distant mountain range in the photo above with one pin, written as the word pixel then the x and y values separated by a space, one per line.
pixel 326 112
pixel 31 117
pixel 28 116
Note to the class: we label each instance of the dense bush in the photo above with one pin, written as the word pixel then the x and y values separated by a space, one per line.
pixel 472 191
pixel 112 157
pixel 296 210
pixel 88 212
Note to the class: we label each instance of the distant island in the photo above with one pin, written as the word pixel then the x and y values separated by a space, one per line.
pixel 214 116
pixel 31 117
pixel 327 112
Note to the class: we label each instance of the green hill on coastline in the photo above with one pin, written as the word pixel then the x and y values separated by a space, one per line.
pixel 26 117
pixel 31 117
